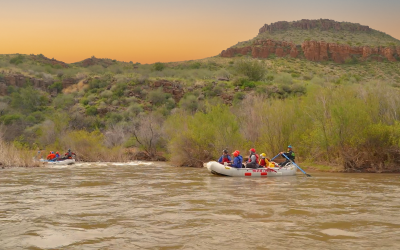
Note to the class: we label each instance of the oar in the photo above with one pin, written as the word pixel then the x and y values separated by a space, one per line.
pixel 297 166
pixel 275 157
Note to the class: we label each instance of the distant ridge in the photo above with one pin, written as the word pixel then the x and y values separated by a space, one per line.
pixel 306 24
pixel 319 40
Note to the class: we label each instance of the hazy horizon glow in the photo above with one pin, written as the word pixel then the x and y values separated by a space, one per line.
pixel 161 30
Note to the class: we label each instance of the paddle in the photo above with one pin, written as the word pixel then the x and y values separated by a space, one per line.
pixel 297 166
pixel 275 157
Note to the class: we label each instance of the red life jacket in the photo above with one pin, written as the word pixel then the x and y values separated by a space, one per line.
pixel 225 159
pixel 256 157
pixel 262 162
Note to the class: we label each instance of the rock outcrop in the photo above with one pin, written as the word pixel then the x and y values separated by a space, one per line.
pixel 18 80
pixel 315 51
pixel 305 24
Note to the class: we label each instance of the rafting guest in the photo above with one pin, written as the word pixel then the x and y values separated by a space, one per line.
pixel 69 154
pixel 253 159
pixel 58 155
pixel 289 154
pixel 51 156
pixel 264 161
pixel 237 161
pixel 225 157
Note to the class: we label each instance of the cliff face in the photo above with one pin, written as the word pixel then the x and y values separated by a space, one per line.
pixel 314 51
pixel 305 24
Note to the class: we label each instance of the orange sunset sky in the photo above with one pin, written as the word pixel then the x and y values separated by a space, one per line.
pixel 168 30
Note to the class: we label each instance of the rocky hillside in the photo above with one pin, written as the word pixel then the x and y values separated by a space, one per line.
pixel 319 40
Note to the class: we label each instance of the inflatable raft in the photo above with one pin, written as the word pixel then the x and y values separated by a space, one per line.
pixel 61 162
pixel 219 169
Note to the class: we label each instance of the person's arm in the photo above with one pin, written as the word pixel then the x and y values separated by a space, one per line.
pixel 235 162
pixel 220 159
pixel 229 158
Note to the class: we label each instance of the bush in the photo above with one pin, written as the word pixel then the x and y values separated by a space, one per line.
pixel 284 78
pixel 195 65
pixel 157 97
pixel 252 68
pixel 97 83
pixel 10 119
pixel 17 60
pixel 63 101
pixel 135 109
pixel 29 100
pixel 239 96
pixel 200 138
pixel 56 86
pixel 158 66
pixel 91 110
pixel 189 103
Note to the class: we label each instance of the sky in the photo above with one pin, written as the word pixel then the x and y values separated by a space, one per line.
pixel 151 31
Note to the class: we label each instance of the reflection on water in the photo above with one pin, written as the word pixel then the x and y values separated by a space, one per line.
pixel 156 206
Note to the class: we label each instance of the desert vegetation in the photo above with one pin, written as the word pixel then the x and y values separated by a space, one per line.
pixel 187 112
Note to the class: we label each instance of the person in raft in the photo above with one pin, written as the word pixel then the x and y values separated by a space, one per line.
pixel 264 161
pixel 225 157
pixel 253 159
pixel 58 155
pixel 237 161
pixel 51 156
pixel 69 154
pixel 289 154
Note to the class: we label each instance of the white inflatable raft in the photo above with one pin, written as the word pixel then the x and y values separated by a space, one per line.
pixel 61 162
pixel 219 169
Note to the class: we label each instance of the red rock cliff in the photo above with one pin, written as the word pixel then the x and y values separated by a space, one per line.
pixel 314 51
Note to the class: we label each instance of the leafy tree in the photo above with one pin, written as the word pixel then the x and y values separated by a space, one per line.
pixel 29 100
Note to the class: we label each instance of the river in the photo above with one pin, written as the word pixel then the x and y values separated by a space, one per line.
pixel 156 206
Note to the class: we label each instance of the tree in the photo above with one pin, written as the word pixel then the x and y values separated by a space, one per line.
pixel 29 100
pixel 147 131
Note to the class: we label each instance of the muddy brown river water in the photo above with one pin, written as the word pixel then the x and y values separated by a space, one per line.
pixel 156 206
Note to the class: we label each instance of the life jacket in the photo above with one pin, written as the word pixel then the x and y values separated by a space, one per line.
pixel 252 155
pixel 69 155
pixel 225 159
pixel 51 156
pixel 262 162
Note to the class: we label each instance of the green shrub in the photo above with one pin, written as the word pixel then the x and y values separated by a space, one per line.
pixel 135 109
pixel 252 68
pixel 239 96
pixel 284 78
pixel 29 100
pixel 195 65
pixel 17 60
pixel 97 83
pixel 157 97
pixel 158 66
pixel 9 119
pixel 189 103
pixel 56 86
pixel 91 110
